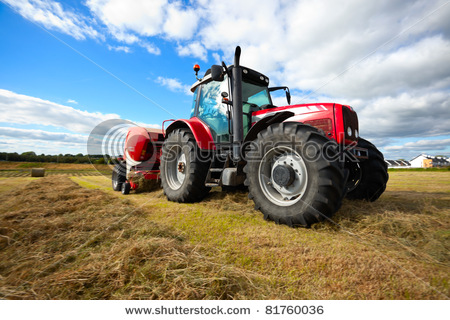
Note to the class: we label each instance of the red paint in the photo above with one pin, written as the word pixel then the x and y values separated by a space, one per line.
pixel 325 116
pixel 141 144
pixel 136 143
pixel 199 129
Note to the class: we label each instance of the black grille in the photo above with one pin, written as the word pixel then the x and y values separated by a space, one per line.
pixel 350 120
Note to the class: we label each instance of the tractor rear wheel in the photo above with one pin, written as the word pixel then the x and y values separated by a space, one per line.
pixel 372 174
pixel 293 174
pixel 183 169
pixel 118 177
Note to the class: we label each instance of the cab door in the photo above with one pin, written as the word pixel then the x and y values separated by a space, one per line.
pixel 212 111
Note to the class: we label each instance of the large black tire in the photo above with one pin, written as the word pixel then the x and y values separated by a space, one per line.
pixel 373 174
pixel 183 168
pixel 118 176
pixel 314 187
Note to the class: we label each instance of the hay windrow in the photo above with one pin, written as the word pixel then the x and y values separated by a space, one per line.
pixel 60 241
pixel 145 185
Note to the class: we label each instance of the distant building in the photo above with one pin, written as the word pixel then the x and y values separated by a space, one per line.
pixel 426 161
pixel 398 164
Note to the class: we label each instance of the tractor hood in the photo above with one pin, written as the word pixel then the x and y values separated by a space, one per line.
pixel 338 122
pixel 301 111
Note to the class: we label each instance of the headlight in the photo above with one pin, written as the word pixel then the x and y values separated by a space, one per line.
pixel 349 131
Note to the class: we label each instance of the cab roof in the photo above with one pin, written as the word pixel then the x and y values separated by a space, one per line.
pixel 248 74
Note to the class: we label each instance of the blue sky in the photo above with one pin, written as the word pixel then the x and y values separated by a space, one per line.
pixel 66 66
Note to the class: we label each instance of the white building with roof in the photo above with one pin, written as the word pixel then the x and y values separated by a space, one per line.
pixel 425 161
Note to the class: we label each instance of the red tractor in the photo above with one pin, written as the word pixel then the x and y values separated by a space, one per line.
pixel 298 161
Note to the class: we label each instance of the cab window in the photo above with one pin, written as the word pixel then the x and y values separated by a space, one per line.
pixel 194 103
pixel 212 111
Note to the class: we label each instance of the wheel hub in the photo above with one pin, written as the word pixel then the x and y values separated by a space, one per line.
pixel 181 167
pixel 176 168
pixel 283 175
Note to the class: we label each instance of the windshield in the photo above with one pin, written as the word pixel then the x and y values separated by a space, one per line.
pixel 255 94
pixel 214 113
pixel 253 98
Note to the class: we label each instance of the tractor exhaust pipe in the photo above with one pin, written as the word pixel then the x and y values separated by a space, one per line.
pixel 238 124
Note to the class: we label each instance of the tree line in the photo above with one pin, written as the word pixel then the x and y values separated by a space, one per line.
pixel 31 156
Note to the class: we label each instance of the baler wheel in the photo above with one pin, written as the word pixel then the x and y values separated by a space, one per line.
pixel 126 187
pixel 118 177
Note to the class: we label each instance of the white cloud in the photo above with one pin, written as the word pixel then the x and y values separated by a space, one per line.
pixel 193 49
pixel 421 145
pixel 126 20
pixel 217 58
pixel 33 134
pixel 72 101
pixel 405 115
pixel 123 36
pixel 31 110
pixel 174 85
pixel 44 146
pixel 179 23
pixel 152 49
pixel 407 149
pixel 119 48
pixel 424 66
pixel 52 15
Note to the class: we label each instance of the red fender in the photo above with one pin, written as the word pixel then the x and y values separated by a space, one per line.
pixel 199 129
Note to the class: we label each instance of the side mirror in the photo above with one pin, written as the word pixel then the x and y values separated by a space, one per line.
pixel 286 89
pixel 288 96
pixel 217 73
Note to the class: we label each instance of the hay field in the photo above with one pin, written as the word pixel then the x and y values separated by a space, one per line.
pixel 10 169
pixel 74 238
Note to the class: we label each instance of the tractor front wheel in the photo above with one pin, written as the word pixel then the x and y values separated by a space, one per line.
pixel 372 175
pixel 183 169
pixel 293 174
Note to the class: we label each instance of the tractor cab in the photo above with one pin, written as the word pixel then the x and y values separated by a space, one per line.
pixel 211 104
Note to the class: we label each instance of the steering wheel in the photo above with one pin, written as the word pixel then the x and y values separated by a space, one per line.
pixel 253 105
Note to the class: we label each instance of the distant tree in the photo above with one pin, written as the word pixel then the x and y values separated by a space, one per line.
pixel 28 153
pixel 31 156
pixel 100 161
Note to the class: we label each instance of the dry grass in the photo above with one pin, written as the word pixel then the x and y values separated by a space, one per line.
pixel 60 241
pixel 10 169
pixel 395 248
pixel 9 165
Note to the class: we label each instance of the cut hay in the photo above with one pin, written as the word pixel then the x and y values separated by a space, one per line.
pixel 65 242
pixel 145 185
